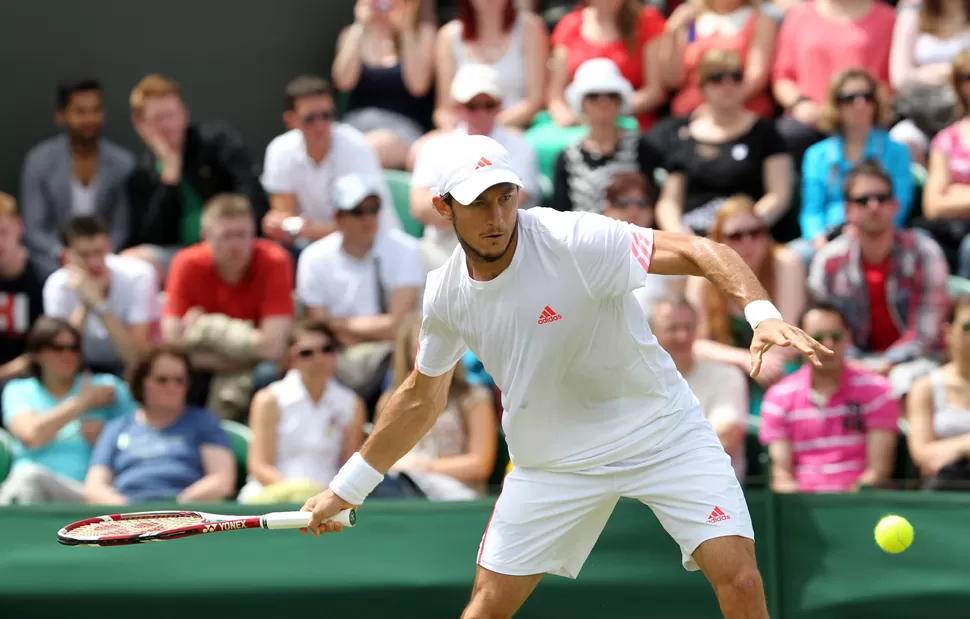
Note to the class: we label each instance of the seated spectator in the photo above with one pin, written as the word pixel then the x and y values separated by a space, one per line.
pixel 186 164
pixel 723 333
pixel 165 450
pixel 585 167
pixel 454 459
pixel 737 25
pixel 22 279
pixel 926 38
pixel 361 281
pixel 946 198
pixel 384 62
pixel 496 33
pixel 938 411
pixel 623 31
pixel 303 163
pixel 725 151
pixel 477 92
pixel 305 426
pixel 896 321
pixel 112 299
pixel 830 428
pixel 816 41
pixel 721 388
pixel 78 172
pixel 229 303
pixel 855 111
pixel 55 416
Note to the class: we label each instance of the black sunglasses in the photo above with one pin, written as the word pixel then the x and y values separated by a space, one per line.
pixel 64 347
pixel 751 233
pixel 719 77
pixel 327 349
pixel 869 198
pixel 363 212
pixel 162 379
pixel 821 336
pixel 634 202
pixel 963 77
pixel 325 116
pixel 612 96
pixel 851 97
pixel 491 106
pixel 966 327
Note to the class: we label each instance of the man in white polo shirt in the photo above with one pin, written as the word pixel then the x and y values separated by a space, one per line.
pixel 302 164
pixel 362 279
pixel 478 99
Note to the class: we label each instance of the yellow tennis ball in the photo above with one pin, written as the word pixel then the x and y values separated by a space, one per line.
pixel 508 468
pixel 894 534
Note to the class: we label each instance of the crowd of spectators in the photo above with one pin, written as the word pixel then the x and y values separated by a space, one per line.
pixel 154 304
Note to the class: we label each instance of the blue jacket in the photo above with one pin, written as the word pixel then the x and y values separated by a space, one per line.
pixel 823 172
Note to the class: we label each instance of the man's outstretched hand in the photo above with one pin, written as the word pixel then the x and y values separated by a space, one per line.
pixel 774 332
pixel 324 506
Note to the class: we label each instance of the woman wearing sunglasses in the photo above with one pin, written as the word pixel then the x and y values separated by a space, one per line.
pixel 165 450
pixel 305 426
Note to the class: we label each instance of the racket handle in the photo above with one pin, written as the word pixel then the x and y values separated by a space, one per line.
pixel 299 520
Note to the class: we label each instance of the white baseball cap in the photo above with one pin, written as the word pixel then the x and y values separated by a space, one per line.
pixel 472 80
pixel 595 76
pixel 472 164
pixel 349 191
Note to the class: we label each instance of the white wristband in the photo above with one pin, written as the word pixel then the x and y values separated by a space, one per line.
pixel 757 312
pixel 355 480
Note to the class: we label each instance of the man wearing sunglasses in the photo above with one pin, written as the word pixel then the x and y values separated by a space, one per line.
pixel 888 282
pixel 302 165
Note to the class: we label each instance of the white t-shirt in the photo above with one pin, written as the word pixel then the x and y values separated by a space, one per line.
pixel 288 169
pixel 584 381
pixel 83 197
pixel 326 276
pixel 132 298
pixel 427 168
pixel 723 393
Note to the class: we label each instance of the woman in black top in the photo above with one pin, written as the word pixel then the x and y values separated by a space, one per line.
pixel 585 168
pixel 722 150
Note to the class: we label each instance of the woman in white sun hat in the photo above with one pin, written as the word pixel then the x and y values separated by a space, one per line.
pixel 599 94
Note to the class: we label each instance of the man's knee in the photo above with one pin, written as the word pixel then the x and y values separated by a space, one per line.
pixel 740 583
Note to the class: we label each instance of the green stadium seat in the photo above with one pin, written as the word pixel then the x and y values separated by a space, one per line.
pixel 754 452
pixel 240 437
pixel 6 453
pixel 399 183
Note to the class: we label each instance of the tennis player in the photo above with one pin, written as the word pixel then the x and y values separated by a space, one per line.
pixel 595 410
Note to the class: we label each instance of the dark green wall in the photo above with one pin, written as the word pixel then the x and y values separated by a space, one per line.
pixel 232 58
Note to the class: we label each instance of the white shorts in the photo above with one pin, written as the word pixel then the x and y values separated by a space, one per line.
pixel 548 522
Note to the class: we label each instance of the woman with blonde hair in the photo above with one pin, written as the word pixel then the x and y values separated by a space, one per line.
pixel 723 334
pixel 454 460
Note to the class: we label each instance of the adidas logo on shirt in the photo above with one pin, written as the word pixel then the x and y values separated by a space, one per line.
pixel 549 315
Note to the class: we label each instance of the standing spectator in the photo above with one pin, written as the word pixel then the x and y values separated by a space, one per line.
pixel 896 322
pixel 22 279
pixel 55 416
pixel 361 281
pixel 856 110
pixel 164 450
pixel 385 63
pixel 831 428
pixel 817 40
pixel 737 25
pixel 584 168
pixel 477 92
pixel 229 302
pixel 302 165
pixel 305 426
pixel 78 172
pixel 725 151
pixel 186 164
pixel 495 33
pixel 721 388
pixel 113 300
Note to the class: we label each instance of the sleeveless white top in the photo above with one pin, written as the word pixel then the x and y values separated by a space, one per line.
pixel 948 421
pixel 931 50
pixel 310 435
pixel 510 67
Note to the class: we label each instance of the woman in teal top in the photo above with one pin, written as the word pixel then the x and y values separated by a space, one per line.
pixel 55 415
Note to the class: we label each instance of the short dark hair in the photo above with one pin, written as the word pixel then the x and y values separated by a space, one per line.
pixel 313 325
pixel 305 86
pixel 822 306
pixel 69 87
pixel 956 304
pixel 143 367
pixel 42 335
pixel 83 227
pixel 867 167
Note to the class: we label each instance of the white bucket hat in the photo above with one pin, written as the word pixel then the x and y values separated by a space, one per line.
pixel 472 164
pixel 596 76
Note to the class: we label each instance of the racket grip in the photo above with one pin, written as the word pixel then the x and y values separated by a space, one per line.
pixel 299 520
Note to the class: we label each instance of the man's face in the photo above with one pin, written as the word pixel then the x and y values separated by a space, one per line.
pixel 827 329
pixel 479 114
pixel 166 117
pixel 870 205
pixel 675 328
pixel 83 117
pixel 10 230
pixel 313 116
pixel 486 227
pixel 359 226
pixel 89 253
pixel 231 240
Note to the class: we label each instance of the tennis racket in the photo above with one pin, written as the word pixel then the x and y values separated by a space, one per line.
pixel 160 526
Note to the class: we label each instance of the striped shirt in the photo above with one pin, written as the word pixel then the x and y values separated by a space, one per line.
pixel 829 440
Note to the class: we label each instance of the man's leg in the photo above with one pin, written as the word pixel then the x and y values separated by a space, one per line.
pixel 497 596
pixel 730 566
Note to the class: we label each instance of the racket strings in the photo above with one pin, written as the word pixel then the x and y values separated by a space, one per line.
pixel 135 526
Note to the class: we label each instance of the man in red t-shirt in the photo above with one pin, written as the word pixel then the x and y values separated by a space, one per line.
pixel 229 299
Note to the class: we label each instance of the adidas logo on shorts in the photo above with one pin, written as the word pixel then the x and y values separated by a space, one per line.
pixel 717 515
